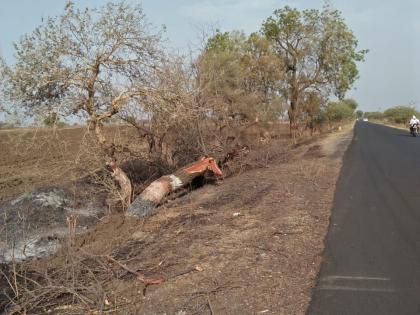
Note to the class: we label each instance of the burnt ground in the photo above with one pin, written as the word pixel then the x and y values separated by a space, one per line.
pixel 250 245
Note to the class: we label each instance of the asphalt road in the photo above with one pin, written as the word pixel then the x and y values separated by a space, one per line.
pixel 371 264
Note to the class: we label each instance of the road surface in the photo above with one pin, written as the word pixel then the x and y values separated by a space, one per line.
pixel 371 264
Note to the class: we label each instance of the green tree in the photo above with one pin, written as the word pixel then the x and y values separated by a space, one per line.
pixel 339 111
pixel 313 109
pixel 263 77
pixel 373 115
pixel 400 114
pixel 51 120
pixel 351 103
pixel 239 75
pixel 318 51
pixel 359 114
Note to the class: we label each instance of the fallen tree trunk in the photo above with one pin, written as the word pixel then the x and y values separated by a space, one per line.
pixel 154 194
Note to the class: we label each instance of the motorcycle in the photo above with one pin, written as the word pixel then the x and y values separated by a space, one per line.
pixel 414 130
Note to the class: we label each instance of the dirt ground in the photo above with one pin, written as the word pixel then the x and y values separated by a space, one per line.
pixel 32 158
pixel 251 244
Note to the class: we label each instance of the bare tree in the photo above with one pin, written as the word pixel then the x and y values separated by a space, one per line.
pixel 170 117
pixel 87 62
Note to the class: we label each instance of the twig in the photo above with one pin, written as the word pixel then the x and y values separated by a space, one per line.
pixel 210 307
pixel 184 272
pixel 14 272
pixel 140 276
pixel 269 250
pixel 8 281
pixel 216 289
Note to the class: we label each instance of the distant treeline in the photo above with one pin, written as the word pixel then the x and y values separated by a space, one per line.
pixel 397 114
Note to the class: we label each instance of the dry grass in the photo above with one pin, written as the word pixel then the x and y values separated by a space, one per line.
pixel 249 245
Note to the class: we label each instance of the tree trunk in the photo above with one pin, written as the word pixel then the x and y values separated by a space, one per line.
pixel 99 133
pixel 126 189
pixel 107 148
pixel 154 194
pixel 294 98
pixel 292 118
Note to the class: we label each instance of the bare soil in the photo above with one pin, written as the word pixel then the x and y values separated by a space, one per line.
pixel 32 158
pixel 251 244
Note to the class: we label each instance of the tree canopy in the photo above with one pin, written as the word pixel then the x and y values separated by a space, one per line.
pixel 240 74
pixel 400 114
pixel 107 61
pixel 318 51
pixel 90 62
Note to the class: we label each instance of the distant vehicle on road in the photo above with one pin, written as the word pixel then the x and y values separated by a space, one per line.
pixel 414 130
pixel 365 119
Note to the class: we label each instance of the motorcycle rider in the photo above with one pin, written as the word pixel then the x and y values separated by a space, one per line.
pixel 414 122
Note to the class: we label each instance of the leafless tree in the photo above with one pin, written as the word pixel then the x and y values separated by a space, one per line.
pixel 91 62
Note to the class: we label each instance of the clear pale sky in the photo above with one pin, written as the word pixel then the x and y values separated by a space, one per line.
pixel 390 29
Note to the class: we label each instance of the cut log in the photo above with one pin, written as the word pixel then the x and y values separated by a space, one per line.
pixel 154 194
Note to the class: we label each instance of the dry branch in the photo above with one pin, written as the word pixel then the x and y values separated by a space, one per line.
pixel 140 276
pixel 126 188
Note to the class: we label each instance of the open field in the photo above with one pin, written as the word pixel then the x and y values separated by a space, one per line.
pixel 32 158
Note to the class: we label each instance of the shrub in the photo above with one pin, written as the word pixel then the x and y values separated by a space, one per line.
pixel 400 114
pixel 373 115
pixel 6 125
pixel 338 111
pixel 51 120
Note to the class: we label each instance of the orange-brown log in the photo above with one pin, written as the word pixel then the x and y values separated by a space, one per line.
pixel 154 194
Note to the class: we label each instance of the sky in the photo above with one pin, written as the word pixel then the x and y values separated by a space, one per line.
pixel 390 29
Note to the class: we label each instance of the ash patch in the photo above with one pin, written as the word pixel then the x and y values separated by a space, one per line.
pixel 33 224
pixel 141 208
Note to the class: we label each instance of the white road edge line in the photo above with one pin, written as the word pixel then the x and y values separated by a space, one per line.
pixel 354 278
pixel 347 288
